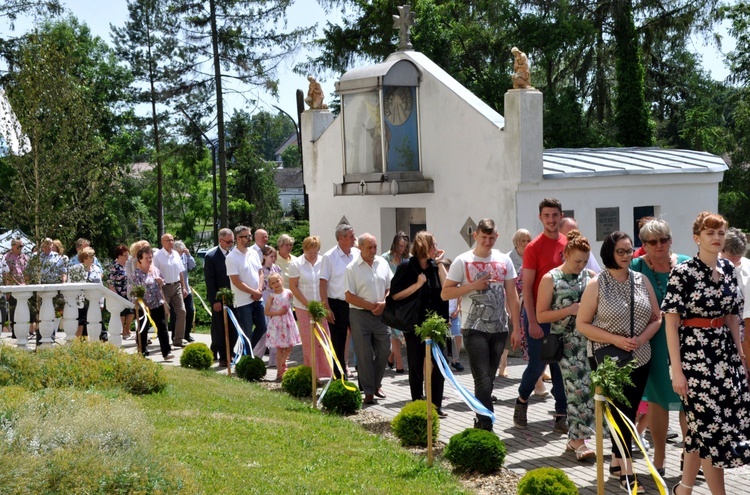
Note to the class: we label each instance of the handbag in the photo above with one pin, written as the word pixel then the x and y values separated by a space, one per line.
pixel 402 315
pixel 552 348
pixel 620 356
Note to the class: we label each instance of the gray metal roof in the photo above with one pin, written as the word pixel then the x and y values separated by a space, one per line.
pixel 587 162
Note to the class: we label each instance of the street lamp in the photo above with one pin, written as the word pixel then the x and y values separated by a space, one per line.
pixel 213 166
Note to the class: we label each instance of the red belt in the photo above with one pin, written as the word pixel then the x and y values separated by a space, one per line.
pixel 704 322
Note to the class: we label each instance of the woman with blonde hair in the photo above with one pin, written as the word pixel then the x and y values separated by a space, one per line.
pixel 304 282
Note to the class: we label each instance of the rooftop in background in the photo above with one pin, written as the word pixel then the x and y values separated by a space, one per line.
pixel 286 178
pixel 587 162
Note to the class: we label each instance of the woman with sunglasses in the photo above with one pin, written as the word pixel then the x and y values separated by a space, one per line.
pixel 656 264
pixel 607 317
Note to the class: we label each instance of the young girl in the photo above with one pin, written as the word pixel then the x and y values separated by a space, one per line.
pixel 269 267
pixel 282 330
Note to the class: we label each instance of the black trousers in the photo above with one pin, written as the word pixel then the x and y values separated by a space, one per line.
pixel 339 329
pixel 633 393
pixel 218 341
pixel 160 319
pixel 415 351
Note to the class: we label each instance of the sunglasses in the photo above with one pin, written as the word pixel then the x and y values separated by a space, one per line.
pixel 242 236
pixel 654 242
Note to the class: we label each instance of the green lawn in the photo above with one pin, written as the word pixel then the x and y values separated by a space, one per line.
pixel 237 437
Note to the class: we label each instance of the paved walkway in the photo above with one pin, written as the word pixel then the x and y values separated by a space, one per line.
pixel 536 446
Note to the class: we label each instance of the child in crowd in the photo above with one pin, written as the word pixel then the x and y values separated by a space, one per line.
pixel 282 330
pixel 269 267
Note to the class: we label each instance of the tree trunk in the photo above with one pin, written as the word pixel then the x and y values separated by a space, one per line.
pixel 224 211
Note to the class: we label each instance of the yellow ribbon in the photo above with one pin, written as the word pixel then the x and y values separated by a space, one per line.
pixel 195 292
pixel 146 314
pixel 620 441
pixel 323 340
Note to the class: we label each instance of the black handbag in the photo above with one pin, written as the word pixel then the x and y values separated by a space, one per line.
pixel 402 315
pixel 620 356
pixel 552 348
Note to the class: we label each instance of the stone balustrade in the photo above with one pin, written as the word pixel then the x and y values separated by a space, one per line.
pixel 48 324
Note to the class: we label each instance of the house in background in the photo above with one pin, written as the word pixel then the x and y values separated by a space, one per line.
pixel 289 182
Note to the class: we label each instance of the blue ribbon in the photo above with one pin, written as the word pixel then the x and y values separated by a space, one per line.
pixel 465 395
pixel 240 348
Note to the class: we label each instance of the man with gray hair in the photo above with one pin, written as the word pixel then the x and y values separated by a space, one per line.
pixel 735 249
pixel 368 280
pixel 333 288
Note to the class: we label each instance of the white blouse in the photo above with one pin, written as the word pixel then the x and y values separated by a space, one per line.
pixel 309 279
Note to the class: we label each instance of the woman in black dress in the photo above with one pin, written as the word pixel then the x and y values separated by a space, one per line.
pixel 425 271
pixel 707 363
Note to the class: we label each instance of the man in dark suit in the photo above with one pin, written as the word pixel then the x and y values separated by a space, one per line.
pixel 215 270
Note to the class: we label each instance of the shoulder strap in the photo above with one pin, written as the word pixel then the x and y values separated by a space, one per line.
pixel 632 303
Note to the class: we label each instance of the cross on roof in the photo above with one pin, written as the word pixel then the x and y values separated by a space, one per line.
pixel 403 22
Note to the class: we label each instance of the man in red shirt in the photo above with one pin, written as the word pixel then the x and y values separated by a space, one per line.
pixel 542 254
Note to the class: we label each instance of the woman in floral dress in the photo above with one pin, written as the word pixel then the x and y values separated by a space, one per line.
pixel 707 362
pixel 559 295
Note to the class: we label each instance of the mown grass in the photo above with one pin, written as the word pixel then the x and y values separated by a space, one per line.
pixel 203 433
pixel 240 438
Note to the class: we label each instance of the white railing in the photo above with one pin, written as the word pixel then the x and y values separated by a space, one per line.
pixel 48 324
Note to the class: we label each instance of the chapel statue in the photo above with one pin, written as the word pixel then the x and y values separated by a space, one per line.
pixel 521 73
pixel 315 95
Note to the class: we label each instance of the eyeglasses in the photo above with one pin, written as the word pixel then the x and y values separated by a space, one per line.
pixel 654 242
pixel 242 236
pixel 624 252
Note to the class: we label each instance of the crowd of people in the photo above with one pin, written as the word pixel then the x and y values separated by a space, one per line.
pixel 678 320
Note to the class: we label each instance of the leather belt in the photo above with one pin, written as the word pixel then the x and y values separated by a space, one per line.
pixel 705 322
pixel 172 283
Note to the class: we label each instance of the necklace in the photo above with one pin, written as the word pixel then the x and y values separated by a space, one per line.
pixel 657 275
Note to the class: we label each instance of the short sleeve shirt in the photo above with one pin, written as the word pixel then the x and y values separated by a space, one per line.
pixel 169 264
pixel 334 265
pixel 368 282
pixel 308 276
pixel 542 255
pixel 247 266
pixel 483 310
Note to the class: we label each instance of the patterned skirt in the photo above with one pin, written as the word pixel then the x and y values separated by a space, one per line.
pixel 717 405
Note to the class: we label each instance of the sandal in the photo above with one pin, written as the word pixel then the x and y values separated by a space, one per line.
pixel 582 452
pixel 615 469
pixel 674 488
pixel 627 485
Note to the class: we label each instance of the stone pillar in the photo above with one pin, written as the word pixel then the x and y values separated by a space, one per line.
pixel 525 132
pixel 22 318
pixel 70 314
pixel 47 321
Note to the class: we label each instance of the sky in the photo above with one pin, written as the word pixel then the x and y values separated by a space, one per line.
pixel 99 14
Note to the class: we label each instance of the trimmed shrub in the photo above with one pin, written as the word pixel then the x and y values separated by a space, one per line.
pixel 81 365
pixel 297 381
pixel 476 450
pixel 410 425
pixel 250 368
pixel 197 355
pixel 339 400
pixel 546 481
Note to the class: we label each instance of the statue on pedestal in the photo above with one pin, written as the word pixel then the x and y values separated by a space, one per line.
pixel 521 72
pixel 315 95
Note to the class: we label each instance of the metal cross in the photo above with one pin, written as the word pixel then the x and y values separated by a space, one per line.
pixel 403 22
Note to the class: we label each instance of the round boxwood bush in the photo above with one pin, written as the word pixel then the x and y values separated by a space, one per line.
pixel 338 399
pixel 546 481
pixel 250 368
pixel 197 355
pixel 297 381
pixel 410 425
pixel 476 450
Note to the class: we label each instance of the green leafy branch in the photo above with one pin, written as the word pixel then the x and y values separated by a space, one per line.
pixel 435 327
pixel 225 294
pixel 612 379
pixel 317 311
pixel 138 291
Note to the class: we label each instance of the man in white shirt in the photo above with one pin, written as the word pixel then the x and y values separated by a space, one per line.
pixel 333 287
pixel 368 279
pixel 246 278
pixel 566 225
pixel 169 263
pixel 261 239
pixel 485 280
